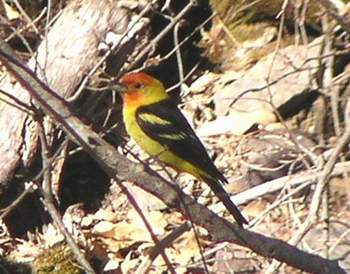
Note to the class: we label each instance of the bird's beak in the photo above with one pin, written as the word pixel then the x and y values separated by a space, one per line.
pixel 118 87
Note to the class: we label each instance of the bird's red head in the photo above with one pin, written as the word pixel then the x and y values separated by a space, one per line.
pixel 136 80
pixel 141 89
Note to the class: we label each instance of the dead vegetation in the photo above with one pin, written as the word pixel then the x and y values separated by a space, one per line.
pixel 265 85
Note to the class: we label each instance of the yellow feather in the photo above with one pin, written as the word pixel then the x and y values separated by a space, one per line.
pixel 155 149
pixel 153 119
pixel 177 136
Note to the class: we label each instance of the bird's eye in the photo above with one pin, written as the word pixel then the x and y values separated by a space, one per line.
pixel 138 85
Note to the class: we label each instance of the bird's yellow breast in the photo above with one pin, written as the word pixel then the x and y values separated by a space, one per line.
pixel 154 148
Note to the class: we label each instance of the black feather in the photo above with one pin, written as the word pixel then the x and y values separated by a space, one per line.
pixel 188 148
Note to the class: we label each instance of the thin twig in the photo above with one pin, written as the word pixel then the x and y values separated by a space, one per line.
pixel 26 17
pixel 147 225
pixel 155 41
pixel 5 211
pixel 49 204
pixel 178 52
pixel 333 11
pixel 161 246
pixel 108 52
pixel 316 199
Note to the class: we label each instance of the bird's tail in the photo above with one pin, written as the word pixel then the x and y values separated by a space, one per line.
pixel 224 197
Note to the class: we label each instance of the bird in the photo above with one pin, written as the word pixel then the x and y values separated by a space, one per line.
pixel 159 128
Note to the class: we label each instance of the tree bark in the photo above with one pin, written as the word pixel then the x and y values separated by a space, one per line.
pixel 69 51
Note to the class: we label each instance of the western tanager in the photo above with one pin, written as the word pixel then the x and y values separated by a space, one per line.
pixel 160 129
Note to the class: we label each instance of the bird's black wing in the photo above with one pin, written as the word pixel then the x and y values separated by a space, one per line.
pixel 164 123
